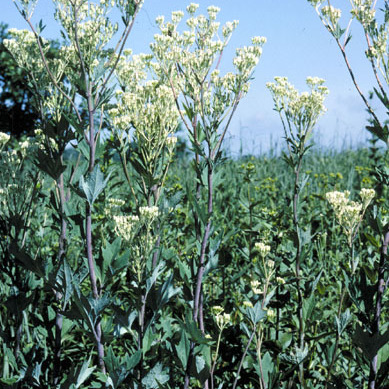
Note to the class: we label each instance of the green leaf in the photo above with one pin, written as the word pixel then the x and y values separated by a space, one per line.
pixel 316 281
pixel 155 377
pixel 165 293
pixel 117 371
pixel 110 265
pixel 111 361
pixel 372 240
pixel 183 349
pixel 35 265
pixel 132 361
pixel 78 376
pixel 84 373
pixel 267 367
pixel 342 322
pixel 190 327
pixel 285 339
pixel 147 340
pixel 52 166
pixel 256 314
pixel 156 273
pixel 308 306
pixel 9 381
pixel 297 357
pixel 93 184
pixel 201 368
pixel 73 121
pixel 81 310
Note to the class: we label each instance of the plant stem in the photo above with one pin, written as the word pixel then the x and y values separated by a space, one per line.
pixel 198 298
pixel 243 358
pixel 333 358
pixel 215 358
pixel 296 191
pixel 378 307
pixel 259 345
pixel 58 296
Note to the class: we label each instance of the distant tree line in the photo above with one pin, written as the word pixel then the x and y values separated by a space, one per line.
pixel 17 114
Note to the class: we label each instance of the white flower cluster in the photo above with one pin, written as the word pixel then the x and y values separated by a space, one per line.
pixel 4 138
pixel 146 109
pixel 363 11
pixel 256 287
pixel 380 44
pixel 113 207
pixel 222 319
pixel 89 33
pixel 302 110
pixel 349 214
pixel 247 57
pixel 24 49
pixel 262 248
pixel 126 226
pixel 189 59
pixel 171 141
pixel 192 8
pixel 367 195
pixel 148 214
pixel 113 202
pixel 331 15
pixel 229 28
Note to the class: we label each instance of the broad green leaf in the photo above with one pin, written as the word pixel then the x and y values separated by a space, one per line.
pixel 50 165
pixel 267 367
pixel 342 322
pixel 156 273
pixel 147 340
pixel 182 349
pixel 132 361
pixel 308 307
pixel 78 375
pixel 256 314
pixel 35 265
pixel 156 376
pixel 93 184
pixel 285 339
pixel 201 368
pixel 84 373
pixel 111 361
pixel 193 332
pixel 295 357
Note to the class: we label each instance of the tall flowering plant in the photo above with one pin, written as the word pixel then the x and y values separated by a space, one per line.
pixel 373 17
pixel 206 101
pixel 299 113
pixel 72 90
pixel 144 121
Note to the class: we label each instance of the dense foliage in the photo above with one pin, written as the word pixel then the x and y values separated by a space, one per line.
pixel 255 208
pixel 127 263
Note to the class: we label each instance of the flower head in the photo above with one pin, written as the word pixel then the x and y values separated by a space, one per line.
pixel 349 214
pixel 126 225
pixel 262 248
pixel 4 138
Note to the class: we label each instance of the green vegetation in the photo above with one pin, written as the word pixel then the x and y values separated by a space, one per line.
pixel 252 204
pixel 133 263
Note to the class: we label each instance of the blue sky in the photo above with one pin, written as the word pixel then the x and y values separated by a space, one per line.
pixel 297 46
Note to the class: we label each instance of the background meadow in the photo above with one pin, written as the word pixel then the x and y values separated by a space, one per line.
pixel 138 251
